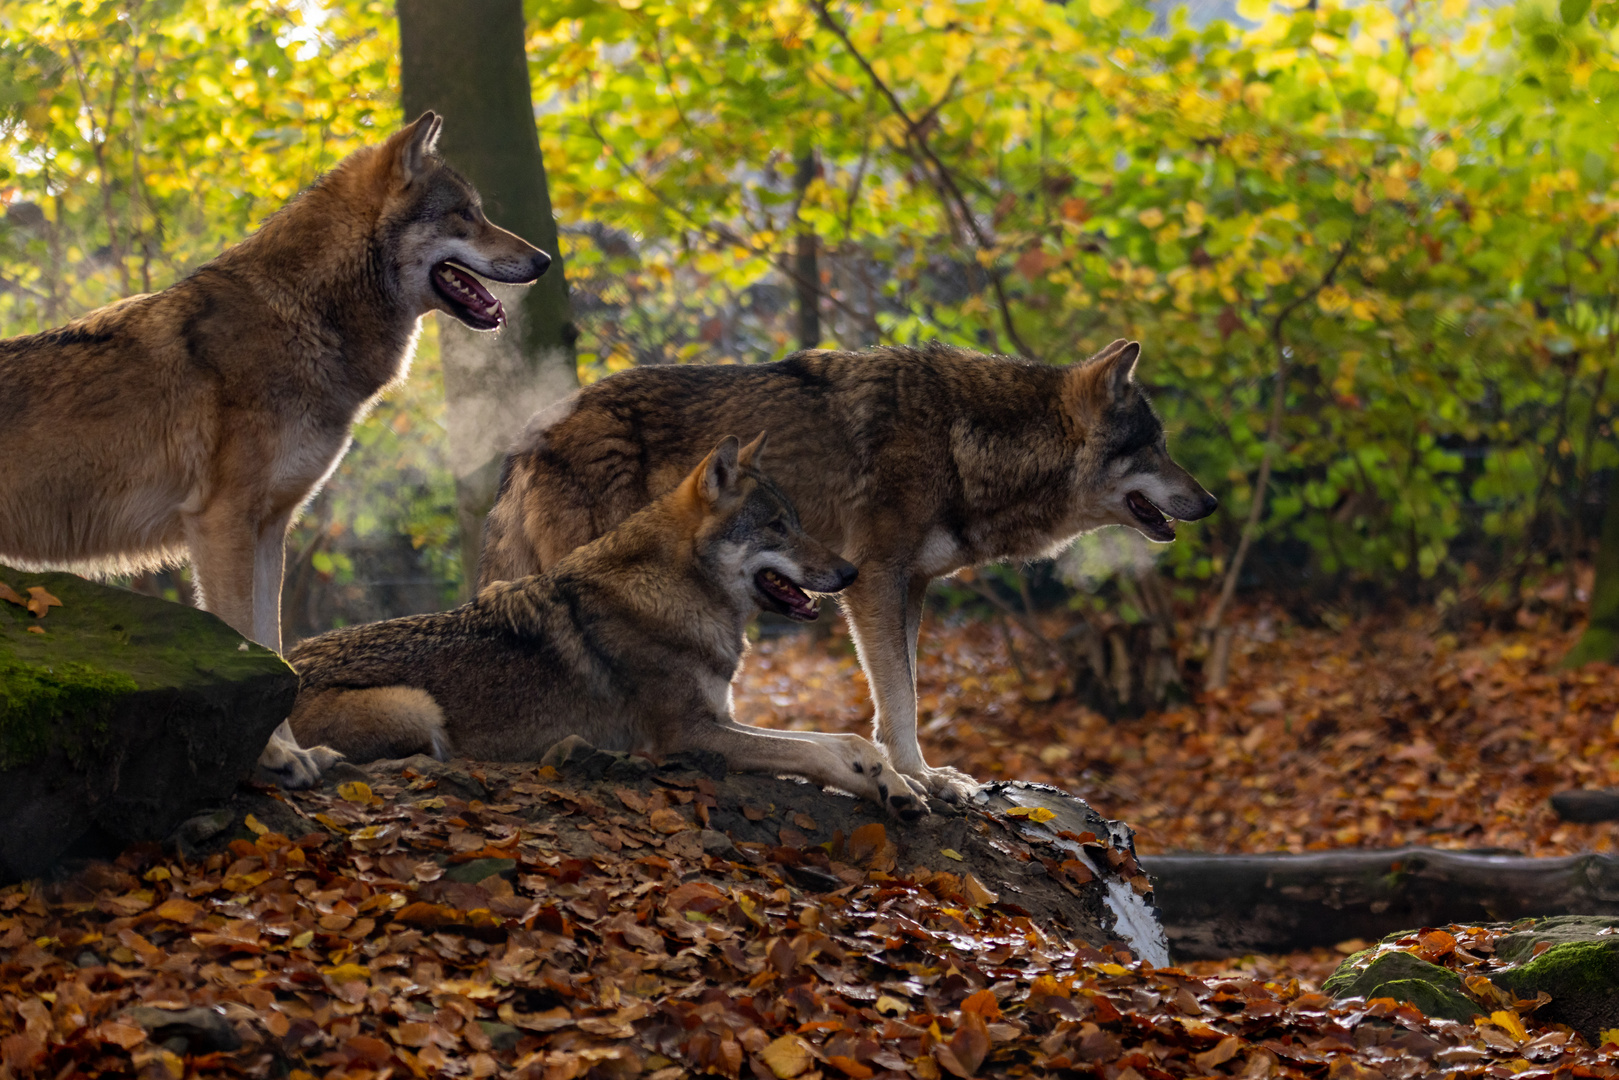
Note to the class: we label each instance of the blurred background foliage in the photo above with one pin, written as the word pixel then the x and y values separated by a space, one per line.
pixel 1400 218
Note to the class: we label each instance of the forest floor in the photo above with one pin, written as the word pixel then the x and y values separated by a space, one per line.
pixel 1388 731
pixel 421 930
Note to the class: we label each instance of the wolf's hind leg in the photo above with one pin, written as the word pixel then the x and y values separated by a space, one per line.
pixel 376 722
pixel 294 766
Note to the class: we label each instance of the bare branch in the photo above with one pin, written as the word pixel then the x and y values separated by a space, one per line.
pixel 1273 436
pixel 937 172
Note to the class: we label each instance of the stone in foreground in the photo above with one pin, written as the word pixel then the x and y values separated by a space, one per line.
pixel 120 716
pixel 1572 958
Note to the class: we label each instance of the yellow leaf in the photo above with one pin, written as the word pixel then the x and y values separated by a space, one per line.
pixel 302 941
pixel 178 909
pixel 1610 1037
pixel 343 973
pixel 1253 10
pixel 1444 159
pixel 11 596
pixel 331 823
pixel 1036 814
pixel 1152 217
pixel 951 853
pixel 430 804
pixel 255 825
pixel 36 629
pixel 1508 1021
pixel 1112 969
pixel 1453 9
pixel 355 791
pixel 787 1056
pixel 891 1006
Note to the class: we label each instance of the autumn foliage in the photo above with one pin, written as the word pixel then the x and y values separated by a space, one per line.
pixel 420 933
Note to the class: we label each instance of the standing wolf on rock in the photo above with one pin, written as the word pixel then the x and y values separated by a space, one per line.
pixel 629 643
pixel 913 463
pixel 199 420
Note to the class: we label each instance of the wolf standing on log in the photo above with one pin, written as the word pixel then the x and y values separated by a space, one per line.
pixel 913 463
pixel 630 643
pixel 199 420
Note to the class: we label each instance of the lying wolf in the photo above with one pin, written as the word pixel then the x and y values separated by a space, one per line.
pixel 630 642
pixel 913 463
pixel 199 420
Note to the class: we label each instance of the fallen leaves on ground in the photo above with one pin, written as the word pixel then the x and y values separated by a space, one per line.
pixel 1384 733
pixel 425 934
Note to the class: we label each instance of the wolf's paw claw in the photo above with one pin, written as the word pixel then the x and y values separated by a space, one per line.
pixel 881 782
pixel 294 766
pixel 951 785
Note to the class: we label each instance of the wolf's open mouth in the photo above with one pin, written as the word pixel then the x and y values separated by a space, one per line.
pixel 469 300
pixel 785 597
pixel 1152 520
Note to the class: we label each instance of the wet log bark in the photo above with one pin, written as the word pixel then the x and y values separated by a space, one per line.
pixel 1221 905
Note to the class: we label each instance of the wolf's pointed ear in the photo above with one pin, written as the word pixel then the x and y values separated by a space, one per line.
pixel 1105 376
pixel 753 451
pixel 415 145
pixel 717 475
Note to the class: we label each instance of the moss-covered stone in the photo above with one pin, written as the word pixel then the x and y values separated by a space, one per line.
pixel 1578 968
pixel 1435 990
pixel 1582 976
pixel 123 717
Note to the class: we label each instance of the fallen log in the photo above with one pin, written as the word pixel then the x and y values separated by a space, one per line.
pixel 1586 807
pixel 1221 905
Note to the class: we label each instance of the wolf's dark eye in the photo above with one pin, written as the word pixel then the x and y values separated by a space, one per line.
pixel 778 526
pixel 466 214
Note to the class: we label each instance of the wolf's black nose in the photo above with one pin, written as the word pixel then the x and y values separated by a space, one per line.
pixel 846 575
pixel 542 263
pixel 1210 505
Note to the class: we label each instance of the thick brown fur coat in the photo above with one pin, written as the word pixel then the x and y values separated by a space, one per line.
pixel 197 421
pixel 913 463
pixel 630 642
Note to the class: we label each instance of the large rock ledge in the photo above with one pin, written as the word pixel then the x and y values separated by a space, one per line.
pixel 120 716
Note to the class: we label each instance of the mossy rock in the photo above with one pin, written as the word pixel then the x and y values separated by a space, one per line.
pixel 122 718
pixel 1437 991
pixel 1579 970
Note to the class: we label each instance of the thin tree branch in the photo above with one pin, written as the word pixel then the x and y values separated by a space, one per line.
pixel 1273 435
pixel 944 181
pixel 717 234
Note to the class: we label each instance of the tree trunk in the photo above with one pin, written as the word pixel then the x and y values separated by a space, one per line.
pixel 806 264
pixel 1601 638
pixel 1222 905
pixel 467 62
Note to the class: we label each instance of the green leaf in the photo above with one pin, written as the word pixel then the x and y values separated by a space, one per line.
pixel 1573 11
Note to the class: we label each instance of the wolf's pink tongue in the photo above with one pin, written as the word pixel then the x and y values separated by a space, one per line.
pixel 471 291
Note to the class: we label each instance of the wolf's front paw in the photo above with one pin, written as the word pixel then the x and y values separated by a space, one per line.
pixel 877 780
pixel 294 766
pixel 951 785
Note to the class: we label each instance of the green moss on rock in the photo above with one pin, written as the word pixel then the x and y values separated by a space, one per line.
pixel 1578 967
pixel 65 705
pixel 125 716
pixel 1437 991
